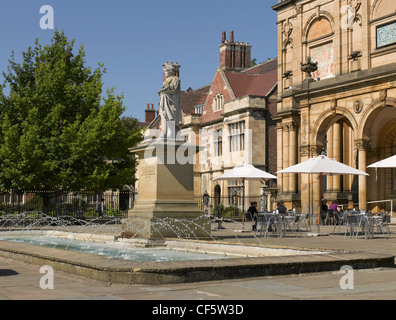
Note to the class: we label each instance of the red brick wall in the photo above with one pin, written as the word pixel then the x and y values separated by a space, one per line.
pixel 235 56
pixel 217 87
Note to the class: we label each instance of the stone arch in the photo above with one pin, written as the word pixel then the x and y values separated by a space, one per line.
pixel 382 8
pixel 287 43
pixel 370 114
pixel 335 133
pixel 378 127
pixel 327 119
pixel 287 56
pixel 323 15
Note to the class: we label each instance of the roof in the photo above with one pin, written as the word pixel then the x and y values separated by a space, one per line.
pixel 192 98
pixel 252 84
pixel 258 80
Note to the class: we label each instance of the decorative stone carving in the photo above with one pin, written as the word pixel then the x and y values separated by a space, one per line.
pixel 299 9
pixel 309 67
pixel 287 31
pixel 311 151
pixel 383 94
pixel 358 106
pixel 333 104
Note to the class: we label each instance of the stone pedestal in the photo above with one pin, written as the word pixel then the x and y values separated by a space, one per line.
pixel 166 207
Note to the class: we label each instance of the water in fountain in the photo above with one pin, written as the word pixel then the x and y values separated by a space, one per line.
pixel 106 237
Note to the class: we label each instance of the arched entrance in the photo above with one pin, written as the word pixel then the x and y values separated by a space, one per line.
pixel 217 195
pixel 380 130
pixel 336 137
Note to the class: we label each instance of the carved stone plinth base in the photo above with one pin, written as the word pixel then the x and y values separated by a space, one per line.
pixel 166 207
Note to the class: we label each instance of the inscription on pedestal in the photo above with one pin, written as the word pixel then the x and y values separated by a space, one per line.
pixel 147 172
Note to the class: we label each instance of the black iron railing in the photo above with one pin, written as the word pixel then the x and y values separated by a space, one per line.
pixel 73 204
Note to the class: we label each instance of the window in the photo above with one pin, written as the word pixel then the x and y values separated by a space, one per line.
pixel 386 34
pixel 234 189
pixel 320 47
pixel 237 136
pixel 199 109
pixel 218 143
pixel 218 102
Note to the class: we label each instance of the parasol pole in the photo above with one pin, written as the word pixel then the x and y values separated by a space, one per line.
pixel 243 202
pixel 320 200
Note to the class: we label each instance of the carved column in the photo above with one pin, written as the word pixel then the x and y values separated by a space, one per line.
pixel 337 138
pixel 279 132
pixel 330 154
pixel 285 158
pixel 293 156
pixel 362 145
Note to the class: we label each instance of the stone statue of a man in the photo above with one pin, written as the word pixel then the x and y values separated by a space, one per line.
pixel 170 103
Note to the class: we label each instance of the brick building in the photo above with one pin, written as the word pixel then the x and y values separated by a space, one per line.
pixel 231 119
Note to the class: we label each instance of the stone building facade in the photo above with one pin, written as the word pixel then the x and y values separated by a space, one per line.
pixel 231 120
pixel 346 108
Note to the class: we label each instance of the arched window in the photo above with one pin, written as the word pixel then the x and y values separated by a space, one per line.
pixel 320 47
pixel 218 102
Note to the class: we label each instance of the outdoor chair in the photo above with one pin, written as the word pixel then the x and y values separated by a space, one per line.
pixel 304 220
pixel 263 223
pixel 352 223
pixel 382 223
pixel 339 220
pixel 329 214
pixel 292 223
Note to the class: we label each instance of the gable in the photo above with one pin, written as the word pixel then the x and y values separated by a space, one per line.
pixel 219 86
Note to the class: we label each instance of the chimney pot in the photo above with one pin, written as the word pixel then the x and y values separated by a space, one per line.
pixel 232 36
pixel 149 113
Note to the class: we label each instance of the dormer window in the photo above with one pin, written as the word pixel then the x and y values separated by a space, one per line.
pixel 199 109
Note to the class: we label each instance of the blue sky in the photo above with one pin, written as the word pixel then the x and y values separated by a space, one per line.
pixel 134 38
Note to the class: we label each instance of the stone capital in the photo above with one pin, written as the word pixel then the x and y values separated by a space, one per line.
pixel 362 144
pixel 311 150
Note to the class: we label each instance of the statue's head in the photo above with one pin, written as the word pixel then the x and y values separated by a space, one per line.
pixel 171 69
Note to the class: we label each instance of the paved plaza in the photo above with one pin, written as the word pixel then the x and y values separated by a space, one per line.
pixel 21 281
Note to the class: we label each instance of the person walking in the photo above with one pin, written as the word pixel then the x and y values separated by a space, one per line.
pixel 253 211
pixel 100 208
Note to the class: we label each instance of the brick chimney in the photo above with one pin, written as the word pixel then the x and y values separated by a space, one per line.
pixel 149 113
pixel 234 55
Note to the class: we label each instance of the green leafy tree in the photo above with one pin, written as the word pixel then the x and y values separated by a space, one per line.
pixel 57 131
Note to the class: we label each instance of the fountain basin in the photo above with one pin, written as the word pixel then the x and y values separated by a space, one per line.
pixel 155 273
pixel 154 250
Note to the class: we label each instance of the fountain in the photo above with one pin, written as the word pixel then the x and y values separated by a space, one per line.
pixel 99 251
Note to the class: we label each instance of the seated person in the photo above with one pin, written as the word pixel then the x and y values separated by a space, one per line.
pixel 253 211
pixel 334 206
pixel 323 211
pixel 281 208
